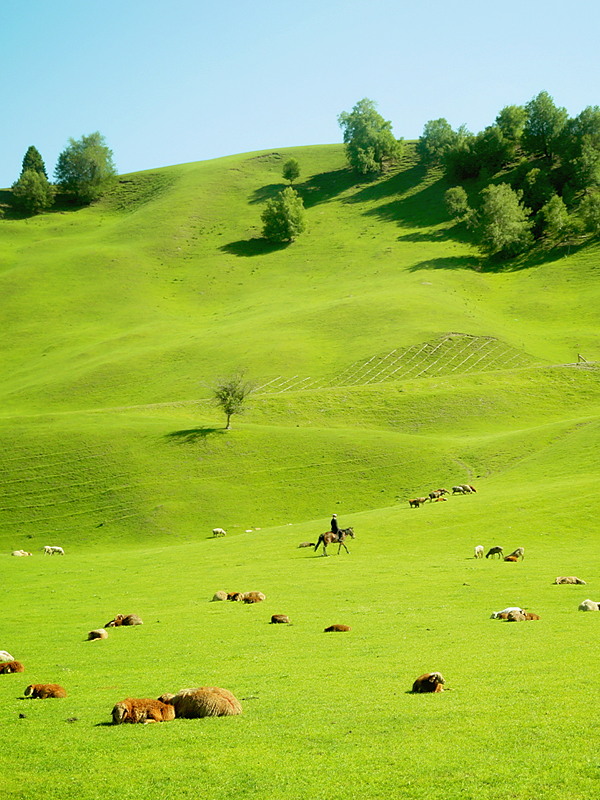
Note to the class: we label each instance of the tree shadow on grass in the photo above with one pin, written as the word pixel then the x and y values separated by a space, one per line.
pixel 456 262
pixel 317 189
pixel 247 248
pixel 192 435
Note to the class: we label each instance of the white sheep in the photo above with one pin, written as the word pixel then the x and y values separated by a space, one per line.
pixel 219 532
pixel 496 614
pixel 479 551
pixel 4 656
pixel 20 553
pixel 589 605
pixel 50 551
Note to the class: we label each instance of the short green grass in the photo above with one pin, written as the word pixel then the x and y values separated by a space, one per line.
pixel 117 320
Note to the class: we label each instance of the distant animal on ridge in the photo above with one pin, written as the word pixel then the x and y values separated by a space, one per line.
pixel 494 551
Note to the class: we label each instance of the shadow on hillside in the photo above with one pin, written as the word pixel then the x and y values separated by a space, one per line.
pixel 421 209
pixel 192 435
pixel 379 188
pixel 246 248
pixel 457 262
pixel 317 189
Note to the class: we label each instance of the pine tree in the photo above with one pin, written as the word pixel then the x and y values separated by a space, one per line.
pixel 33 162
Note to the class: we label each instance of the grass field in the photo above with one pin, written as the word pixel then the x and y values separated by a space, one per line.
pixel 389 359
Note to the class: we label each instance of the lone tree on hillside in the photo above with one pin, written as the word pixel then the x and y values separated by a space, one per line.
pixel 32 160
pixel 505 223
pixel 368 137
pixel 291 170
pixel 84 167
pixel 230 394
pixel 283 217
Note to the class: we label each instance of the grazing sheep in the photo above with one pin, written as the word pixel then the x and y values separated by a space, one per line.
pixel 334 628
pixel 280 618
pixel 142 710
pixel 437 493
pixel 417 502
pixel 20 553
pixel 570 580
pixel 206 701
pixel 220 595
pixel 47 550
pixel 467 489
pixel 497 614
pixel 4 656
pixel 589 605
pixel 44 690
pixel 473 489
pixel 479 551
pixel 458 490
pixel 516 616
pixel 219 532
pixel 306 544
pixel 494 551
pixel 518 553
pixel 253 597
pixel 511 558
pixel 99 633
pixel 129 619
pixel 235 596
pixel 7 667
pixel 429 682
pixel 50 551
pixel 529 616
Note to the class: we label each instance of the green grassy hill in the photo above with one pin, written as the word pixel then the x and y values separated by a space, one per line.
pixel 389 359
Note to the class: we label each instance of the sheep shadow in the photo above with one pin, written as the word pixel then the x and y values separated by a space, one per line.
pixel 248 248
pixel 192 435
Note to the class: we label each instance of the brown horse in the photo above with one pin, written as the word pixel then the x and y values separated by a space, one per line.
pixel 331 538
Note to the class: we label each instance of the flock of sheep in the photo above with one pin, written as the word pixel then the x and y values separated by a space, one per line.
pixel 48 551
pixel 437 495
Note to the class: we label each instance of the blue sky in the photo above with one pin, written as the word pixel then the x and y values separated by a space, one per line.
pixel 174 81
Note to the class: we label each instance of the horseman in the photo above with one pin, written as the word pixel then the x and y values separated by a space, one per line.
pixel 334 525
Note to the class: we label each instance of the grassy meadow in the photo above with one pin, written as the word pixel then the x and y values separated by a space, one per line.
pixel 389 359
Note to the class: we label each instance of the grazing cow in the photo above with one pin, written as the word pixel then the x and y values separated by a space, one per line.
pixel 142 710
pixel 337 628
pixel 494 551
pixel 429 682
pixel 6 667
pixel 571 579
pixel 206 701
pixel 479 551
pixel 417 502
pixel 589 605
pixel 280 619
pixel 511 558
pixel 518 553
pixel 44 690
pixel 219 532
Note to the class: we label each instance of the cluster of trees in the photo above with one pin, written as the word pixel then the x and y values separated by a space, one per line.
pixel 541 170
pixel 82 170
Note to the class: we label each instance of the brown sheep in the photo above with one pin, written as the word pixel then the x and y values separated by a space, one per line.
pixel 502 615
pixel 129 619
pixel 253 597
pixel 220 595
pixel 44 690
pixel 280 618
pixel 518 553
pixel 99 633
pixel 440 499
pixel 529 616
pixel 494 551
pixel 511 558
pixel 144 710
pixel 570 579
pixel 333 628
pixel 429 682
pixel 417 502
pixel 516 616
pixel 7 667
pixel 206 701
pixel 235 596
pixel 306 544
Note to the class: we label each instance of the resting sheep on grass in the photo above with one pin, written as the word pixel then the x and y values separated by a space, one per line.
pixel 494 551
pixel 20 553
pixel 253 597
pixel 497 614
pixel 280 618
pixel 129 619
pixel 570 579
pixel 220 595
pixel 205 701
pixel 479 551
pixel 336 628
pixel 306 544
pixel 4 656
pixel 516 616
pixel 235 596
pixel 99 633
pixel 7 667
pixel 518 553
pixel 429 682
pixel 589 605
pixel 514 559
pixel 529 616
pixel 142 710
pixel 44 690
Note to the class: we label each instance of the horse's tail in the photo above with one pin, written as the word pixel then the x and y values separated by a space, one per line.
pixel 320 539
